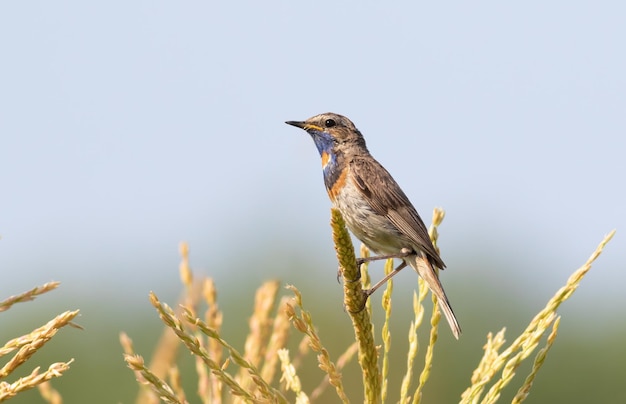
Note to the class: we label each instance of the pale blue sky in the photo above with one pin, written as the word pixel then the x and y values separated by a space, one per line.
pixel 126 127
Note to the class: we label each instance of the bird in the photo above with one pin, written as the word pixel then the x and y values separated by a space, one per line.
pixel 373 205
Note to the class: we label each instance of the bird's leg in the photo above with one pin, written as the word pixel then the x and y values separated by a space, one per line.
pixel 381 282
pixel 368 292
pixel 360 261
pixel 403 253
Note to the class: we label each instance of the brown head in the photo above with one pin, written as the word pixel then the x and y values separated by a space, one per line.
pixel 333 133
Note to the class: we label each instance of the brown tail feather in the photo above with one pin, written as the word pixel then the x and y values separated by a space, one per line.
pixel 423 267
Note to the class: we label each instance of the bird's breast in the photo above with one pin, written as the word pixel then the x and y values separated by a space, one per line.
pixel 374 230
pixel 336 184
pixel 335 175
pixel 325 159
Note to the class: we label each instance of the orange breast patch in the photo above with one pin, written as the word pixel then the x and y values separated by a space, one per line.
pixel 338 185
pixel 325 159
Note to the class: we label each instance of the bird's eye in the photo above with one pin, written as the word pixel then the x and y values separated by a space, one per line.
pixel 330 123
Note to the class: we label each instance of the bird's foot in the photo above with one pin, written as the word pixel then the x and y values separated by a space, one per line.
pixel 366 295
pixel 358 273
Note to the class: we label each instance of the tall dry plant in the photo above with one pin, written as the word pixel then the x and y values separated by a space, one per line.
pixel 20 349
pixel 267 372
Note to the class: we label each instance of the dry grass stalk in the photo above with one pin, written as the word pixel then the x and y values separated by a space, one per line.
pixel 354 301
pixel 175 382
pixel 49 394
pixel 27 345
pixel 260 324
pixel 28 295
pixel 304 324
pixel 418 308
pixel 209 386
pixel 9 390
pixel 193 344
pixel 265 390
pixel 268 335
pixel 344 359
pixel 278 340
pixel 290 378
pixel 158 385
pixel 523 346
pixel 385 332
pixel 523 391
pixel 264 346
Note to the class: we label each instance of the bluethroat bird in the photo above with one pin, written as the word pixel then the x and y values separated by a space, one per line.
pixel 374 207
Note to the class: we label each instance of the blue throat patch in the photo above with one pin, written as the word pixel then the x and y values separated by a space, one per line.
pixel 325 143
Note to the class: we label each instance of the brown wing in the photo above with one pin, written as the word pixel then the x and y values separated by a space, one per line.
pixel 386 198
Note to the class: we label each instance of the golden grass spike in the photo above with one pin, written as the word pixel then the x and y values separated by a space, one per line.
pixel 267 392
pixel 176 383
pixel 430 350
pixel 8 390
pixel 413 350
pixel 523 345
pixel 531 341
pixel 186 276
pixel 290 378
pixel 49 394
pixel 523 391
pixel 260 327
pixel 344 359
pixel 386 334
pixel 28 295
pixel 277 341
pixel 366 279
pixel 490 348
pixel 191 342
pixel 304 324
pixel 159 386
pixel 29 344
pixel 354 300
pixel 209 386
pixel 418 307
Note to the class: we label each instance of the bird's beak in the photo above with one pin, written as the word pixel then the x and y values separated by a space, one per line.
pixel 297 124
pixel 306 126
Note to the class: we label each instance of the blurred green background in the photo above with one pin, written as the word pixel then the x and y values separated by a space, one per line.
pixel 583 366
pixel 128 127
